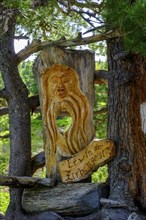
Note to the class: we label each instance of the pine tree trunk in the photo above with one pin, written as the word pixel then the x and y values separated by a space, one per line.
pixel 127 125
pixel 19 116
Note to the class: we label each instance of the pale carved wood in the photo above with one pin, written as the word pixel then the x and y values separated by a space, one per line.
pixel 61 92
pixel 96 154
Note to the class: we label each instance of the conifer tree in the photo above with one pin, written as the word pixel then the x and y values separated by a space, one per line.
pixel 122 24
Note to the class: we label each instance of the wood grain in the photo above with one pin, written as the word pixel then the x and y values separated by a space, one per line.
pixel 80 166
pixel 66 199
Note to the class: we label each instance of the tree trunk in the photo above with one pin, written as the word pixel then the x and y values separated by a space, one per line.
pixel 19 116
pixel 76 96
pixel 127 125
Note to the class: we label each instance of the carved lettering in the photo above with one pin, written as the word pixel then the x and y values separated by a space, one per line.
pixel 82 159
pixel 87 160
pixel 70 165
pixel 68 176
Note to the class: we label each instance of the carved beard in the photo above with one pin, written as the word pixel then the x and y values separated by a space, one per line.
pixel 70 98
pixel 76 137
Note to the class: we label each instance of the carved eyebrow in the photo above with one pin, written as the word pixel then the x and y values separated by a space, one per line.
pixel 52 77
pixel 64 75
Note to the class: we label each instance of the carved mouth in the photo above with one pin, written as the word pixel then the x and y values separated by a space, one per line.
pixel 61 93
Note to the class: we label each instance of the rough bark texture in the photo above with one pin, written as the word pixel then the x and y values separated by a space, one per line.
pixel 20 151
pixel 126 126
pixel 65 199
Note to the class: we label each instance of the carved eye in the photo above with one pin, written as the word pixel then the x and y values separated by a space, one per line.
pixel 65 80
pixel 54 80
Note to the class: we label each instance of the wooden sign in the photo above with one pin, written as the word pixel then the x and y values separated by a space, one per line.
pixel 81 165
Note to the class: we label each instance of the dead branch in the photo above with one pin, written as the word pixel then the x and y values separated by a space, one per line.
pixel 24 182
pixel 101 77
pixel 33 104
pixel 21 37
pixel 5 136
pixel 38 161
pixel 101 111
pixel 3 111
pixel 37 46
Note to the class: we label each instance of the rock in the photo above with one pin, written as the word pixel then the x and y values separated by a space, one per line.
pixel 44 216
pixel 133 216
pixel 93 216
pixel 2 217
pixel 109 203
pixel 114 214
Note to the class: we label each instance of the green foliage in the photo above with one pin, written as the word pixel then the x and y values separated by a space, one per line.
pixel 130 19
pixel 36 133
pixel 4 159
pixel 64 122
pixel 49 22
pixel 28 78
pixel 100 103
pixel 4 199
pixel 100 175
pixel 4 131
pixel 1 82
pixel 99 48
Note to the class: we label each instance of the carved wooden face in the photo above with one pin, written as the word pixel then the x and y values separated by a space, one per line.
pixel 60 83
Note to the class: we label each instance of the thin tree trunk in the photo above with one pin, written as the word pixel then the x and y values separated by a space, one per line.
pixel 19 116
pixel 127 126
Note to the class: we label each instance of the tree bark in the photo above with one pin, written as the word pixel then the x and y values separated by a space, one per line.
pixel 19 116
pixel 65 199
pixel 127 126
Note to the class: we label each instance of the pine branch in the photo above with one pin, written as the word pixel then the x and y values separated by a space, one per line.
pixel 21 37
pixel 89 4
pixel 37 46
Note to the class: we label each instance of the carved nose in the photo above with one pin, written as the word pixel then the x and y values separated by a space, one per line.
pixel 60 85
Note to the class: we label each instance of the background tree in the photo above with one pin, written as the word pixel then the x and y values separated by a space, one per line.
pixel 127 66
pixel 125 35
